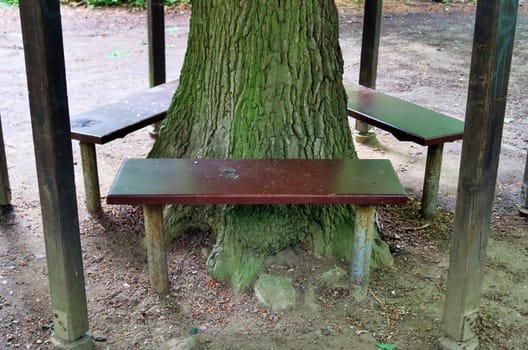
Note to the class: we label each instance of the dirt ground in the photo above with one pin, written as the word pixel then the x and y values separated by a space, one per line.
pixel 424 57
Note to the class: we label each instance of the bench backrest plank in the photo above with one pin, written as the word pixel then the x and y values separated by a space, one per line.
pixel 114 120
pixel 246 181
pixel 406 121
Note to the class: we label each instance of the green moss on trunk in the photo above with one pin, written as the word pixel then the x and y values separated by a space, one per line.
pixel 261 79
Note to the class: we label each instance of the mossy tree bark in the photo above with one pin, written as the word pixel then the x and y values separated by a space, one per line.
pixel 261 79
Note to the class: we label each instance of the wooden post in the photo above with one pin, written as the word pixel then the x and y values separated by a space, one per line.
pixel 46 79
pixel 156 42
pixel 433 167
pixel 5 189
pixel 368 66
pixel 488 84
pixel 156 47
pixel 156 252
pixel 523 210
pixel 362 250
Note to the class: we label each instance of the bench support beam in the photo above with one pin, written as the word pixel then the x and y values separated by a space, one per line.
pixel 362 251
pixel 433 166
pixel 155 241
pixel 91 178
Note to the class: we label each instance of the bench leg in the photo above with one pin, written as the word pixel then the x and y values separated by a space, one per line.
pixel 362 133
pixel 431 180
pixel 91 178
pixel 155 241
pixel 362 250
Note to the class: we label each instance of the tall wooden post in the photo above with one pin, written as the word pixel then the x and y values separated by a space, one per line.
pixel 156 46
pixel 5 189
pixel 368 66
pixel 488 84
pixel 46 78
pixel 156 42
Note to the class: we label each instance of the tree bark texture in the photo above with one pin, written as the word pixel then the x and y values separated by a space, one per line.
pixel 261 79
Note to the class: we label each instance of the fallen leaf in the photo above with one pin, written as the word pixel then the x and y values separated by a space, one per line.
pixel 117 54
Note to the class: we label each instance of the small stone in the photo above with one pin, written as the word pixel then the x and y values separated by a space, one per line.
pixel 98 336
pixel 310 299
pixel 188 343
pixel 276 292
pixel 204 252
pixel 336 278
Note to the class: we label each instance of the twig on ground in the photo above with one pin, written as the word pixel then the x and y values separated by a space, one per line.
pixel 382 305
pixel 416 228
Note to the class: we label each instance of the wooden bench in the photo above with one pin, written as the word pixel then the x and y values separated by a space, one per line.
pixel 409 122
pixel 115 120
pixel 154 183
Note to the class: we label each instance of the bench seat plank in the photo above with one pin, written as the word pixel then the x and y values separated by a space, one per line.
pixel 406 121
pixel 115 120
pixel 246 181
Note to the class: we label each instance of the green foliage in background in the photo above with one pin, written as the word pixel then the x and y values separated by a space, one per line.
pixel 105 3
pixel 9 2
pixel 134 3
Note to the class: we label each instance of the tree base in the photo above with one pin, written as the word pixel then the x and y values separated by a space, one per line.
pixel 246 235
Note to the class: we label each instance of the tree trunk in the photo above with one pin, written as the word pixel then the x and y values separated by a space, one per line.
pixel 261 79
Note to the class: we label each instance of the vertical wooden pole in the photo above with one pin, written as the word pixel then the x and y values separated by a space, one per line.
pixel 368 66
pixel 488 85
pixel 156 252
pixel 156 47
pixel 156 42
pixel 46 78
pixel 362 250
pixel 5 189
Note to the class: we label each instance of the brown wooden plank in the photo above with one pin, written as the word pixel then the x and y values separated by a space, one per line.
pixel 118 119
pixel 406 121
pixel 249 181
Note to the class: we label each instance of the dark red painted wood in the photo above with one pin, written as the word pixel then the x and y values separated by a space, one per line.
pixel 406 121
pixel 250 181
pixel 108 122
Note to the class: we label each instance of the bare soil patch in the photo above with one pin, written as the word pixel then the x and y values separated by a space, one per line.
pixel 424 57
